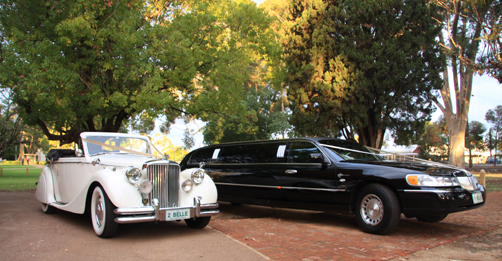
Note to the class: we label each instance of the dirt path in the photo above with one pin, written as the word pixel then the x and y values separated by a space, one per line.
pixel 26 233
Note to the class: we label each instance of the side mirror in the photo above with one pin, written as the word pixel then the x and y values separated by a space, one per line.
pixel 78 151
pixel 317 158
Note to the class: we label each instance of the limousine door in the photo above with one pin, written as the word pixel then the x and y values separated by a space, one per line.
pixel 309 182
pixel 248 173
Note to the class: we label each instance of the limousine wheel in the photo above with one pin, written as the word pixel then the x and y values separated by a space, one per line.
pixel 431 218
pixel 48 209
pixel 378 209
pixel 102 215
pixel 198 223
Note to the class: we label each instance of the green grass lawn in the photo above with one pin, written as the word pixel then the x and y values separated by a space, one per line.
pixel 493 184
pixel 13 177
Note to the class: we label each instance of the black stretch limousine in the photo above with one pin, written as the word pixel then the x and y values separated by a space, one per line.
pixel 336 175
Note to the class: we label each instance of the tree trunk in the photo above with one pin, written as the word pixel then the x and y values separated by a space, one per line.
pixel 457 146
pixel 456 121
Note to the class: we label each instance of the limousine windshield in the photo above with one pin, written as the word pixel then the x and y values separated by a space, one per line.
pixel 350 150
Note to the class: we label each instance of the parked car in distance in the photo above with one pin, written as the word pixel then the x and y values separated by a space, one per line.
pixel 116 178
pixel 336 175
pixel 491 160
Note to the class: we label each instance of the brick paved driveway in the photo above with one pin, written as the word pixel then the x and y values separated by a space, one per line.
pixel 283 234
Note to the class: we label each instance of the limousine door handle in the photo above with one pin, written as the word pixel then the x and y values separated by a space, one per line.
pixel 291 171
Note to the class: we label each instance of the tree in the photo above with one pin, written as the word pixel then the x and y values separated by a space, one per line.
pixel 166 147
pixel 495 118
pixel 263 119
pixel 476 133
pixel 14 132
pixel 11 126
pixel 143 123
pixel 188 139
pixel 433 142
pixel 464 23
pixel 362 67
pixel 263 98
pixel 91 65
pixel 474 139
pixel 490 60
pixel 479 19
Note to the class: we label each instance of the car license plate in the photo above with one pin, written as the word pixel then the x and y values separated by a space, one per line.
pixel 477 197
pixel 177 214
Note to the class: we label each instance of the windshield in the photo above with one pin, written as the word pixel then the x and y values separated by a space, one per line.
pixel 349 150
pixel 116 144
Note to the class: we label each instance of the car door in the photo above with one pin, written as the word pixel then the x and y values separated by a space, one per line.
pixel 309 179
pixel 248 173
pixel 71 177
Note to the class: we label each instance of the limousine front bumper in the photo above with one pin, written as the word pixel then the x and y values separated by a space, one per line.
pixel 155 213
pixel 441 201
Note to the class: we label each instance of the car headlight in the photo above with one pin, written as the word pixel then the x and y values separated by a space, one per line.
pixel 187 185
pixel 198 176
pixel 431 181
pixel 133 175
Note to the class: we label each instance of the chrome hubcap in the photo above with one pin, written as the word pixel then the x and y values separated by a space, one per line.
pixel 99 211
pixel 372 209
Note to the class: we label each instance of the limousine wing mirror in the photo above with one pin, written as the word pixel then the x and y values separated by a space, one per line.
pixel 317 158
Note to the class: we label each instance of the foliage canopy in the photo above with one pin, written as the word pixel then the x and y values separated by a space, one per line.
pixel 90 65
pixel 362 67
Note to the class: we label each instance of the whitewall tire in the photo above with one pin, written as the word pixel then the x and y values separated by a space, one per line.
pixel 102 215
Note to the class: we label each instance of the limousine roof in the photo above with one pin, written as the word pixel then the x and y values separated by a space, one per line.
pixel 315 139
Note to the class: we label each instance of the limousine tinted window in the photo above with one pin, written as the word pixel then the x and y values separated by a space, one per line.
pixel 251 153
pixel 203 155
pixel 300 152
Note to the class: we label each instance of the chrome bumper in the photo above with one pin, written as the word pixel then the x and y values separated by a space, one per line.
pixel 155 213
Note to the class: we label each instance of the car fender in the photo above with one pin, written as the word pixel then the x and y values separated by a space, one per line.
pixel 45 187
pixel 120 192
pixel 206 191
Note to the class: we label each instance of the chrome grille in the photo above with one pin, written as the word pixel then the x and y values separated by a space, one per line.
pixel 165 180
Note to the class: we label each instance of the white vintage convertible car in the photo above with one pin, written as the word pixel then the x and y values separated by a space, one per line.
pixel 117 179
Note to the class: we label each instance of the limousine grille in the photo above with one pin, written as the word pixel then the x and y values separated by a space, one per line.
pixel 165 179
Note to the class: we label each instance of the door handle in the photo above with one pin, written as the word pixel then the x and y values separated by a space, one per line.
pixel 291 171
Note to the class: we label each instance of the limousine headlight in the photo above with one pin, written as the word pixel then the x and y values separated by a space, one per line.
pixel 431 181
pixel 198 176
pixel 133 175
